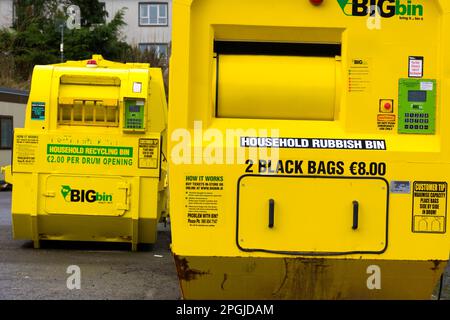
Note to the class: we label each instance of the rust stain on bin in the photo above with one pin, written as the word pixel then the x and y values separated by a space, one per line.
pixel 185 272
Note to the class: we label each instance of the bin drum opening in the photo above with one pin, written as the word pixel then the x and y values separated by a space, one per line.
pixel 277 87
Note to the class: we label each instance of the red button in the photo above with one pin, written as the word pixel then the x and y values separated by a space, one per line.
pixel 316 2
pixel 387 106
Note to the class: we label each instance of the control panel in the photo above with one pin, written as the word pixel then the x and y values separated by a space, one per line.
pixel 134 115
pixel 417 106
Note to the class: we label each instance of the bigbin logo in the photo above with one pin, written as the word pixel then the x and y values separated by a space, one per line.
pixel 90 196
pixel 386 8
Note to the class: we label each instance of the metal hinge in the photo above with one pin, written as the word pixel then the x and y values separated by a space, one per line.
pixel 124 206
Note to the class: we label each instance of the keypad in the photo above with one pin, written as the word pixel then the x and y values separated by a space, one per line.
pixel 417 121
pixel 134 124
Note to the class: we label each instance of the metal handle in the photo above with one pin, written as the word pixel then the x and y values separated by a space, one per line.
pixel 271 213
pixel 355 215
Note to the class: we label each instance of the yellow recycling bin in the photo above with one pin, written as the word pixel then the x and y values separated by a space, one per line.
pixel 310 148
pixel 90 163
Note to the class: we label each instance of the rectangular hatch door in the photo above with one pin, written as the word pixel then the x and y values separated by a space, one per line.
pixel 312 216
pixel 87 195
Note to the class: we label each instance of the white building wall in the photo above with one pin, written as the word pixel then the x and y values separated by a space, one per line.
pixel 17 111
pixel 134 33
pixel 6 13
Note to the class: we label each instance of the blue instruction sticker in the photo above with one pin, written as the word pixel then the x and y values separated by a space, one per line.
pixel 38 111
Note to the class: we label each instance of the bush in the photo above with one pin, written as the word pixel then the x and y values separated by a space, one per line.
pixel 35 38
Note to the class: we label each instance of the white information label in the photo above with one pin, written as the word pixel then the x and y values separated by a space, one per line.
pixel 415 67
pixel 426 86
pixel 137 87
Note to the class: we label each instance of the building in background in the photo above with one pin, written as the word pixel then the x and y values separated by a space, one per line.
pixel 6 13
pixel 12 115
pixel 148 22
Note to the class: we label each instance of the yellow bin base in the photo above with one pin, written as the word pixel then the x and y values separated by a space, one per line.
pixel 305 279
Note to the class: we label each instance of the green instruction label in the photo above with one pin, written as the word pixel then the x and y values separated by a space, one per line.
pixel 89 155
pixel 90 150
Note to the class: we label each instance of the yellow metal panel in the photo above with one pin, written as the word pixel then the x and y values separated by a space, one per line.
pixel 91 80
pixel 277 34
pixel 89 92
pixel 84 228
pixel 66 100
pixel 74 195
pixel 304 279
pixel 272 87
pixel 303 222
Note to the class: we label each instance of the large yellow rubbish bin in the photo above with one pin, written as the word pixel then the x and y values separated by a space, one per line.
pixel 90 163
pixel 309 147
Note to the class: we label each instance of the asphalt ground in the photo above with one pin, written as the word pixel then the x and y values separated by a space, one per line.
pixel 108 271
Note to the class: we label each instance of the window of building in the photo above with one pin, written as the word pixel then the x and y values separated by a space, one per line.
pixel 6 132
pixel 103 9
pixel 153 14
pixel 161 49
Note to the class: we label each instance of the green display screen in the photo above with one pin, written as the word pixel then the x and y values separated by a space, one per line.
pixel 417 106
pixel 417 96
pixel 134 108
